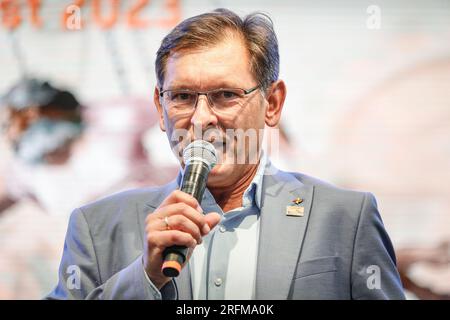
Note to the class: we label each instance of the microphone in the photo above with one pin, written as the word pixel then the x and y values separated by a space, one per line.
pixel 199 158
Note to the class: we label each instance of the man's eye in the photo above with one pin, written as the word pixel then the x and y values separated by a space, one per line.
pixel 228 94
pixel 181 96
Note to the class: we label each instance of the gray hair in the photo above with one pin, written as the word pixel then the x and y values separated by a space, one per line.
pixel 210 28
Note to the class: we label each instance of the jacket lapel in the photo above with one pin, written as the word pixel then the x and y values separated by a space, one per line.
pixel 281 236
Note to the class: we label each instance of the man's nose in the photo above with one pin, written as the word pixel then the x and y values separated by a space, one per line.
pixel 203 116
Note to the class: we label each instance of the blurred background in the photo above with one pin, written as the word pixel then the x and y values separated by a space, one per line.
pixel 368 108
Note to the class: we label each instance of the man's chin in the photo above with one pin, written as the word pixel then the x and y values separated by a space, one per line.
pixel 220 172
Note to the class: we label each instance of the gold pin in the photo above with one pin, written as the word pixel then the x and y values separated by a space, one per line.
pixel 295 211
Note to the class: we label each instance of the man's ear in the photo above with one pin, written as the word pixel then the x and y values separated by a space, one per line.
pixel 160 109
pixel 275 98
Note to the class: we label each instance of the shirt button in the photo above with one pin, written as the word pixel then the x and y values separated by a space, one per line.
pixel 222 229
pixel 218 282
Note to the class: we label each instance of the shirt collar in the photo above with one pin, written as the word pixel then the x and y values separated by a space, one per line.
pixel 252 194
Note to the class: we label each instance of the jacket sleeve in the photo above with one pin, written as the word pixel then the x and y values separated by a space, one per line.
pixel 80 278
pixel 374 273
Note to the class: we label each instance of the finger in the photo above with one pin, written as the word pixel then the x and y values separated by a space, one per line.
pixel 180 196
pixel 180 222
pixel 212 219
pixel 185 210
pixel 164 239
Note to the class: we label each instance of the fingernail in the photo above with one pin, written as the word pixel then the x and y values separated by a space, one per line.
pixel 206 229
pixel 199 209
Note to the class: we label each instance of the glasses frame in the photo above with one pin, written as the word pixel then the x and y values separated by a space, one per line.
pixel 206 93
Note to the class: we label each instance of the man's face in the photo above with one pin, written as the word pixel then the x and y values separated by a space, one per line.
pixel 16 122
pixel 225 65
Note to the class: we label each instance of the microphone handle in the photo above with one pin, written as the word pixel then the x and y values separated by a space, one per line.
pixel 193 183
pixel 194 179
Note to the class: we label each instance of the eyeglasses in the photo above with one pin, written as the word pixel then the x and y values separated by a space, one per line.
pixel 223 100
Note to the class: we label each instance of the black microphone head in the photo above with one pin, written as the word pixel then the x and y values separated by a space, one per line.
pixel 200 150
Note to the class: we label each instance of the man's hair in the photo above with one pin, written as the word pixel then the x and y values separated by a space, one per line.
pixel 208 29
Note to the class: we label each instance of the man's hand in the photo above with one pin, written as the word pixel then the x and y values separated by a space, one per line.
pixel 187 226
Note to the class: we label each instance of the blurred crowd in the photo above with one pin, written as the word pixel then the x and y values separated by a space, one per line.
pixel 57 154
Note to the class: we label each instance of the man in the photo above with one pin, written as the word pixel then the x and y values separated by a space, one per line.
pixel 41 122
pixel 258 233
pixel 40 126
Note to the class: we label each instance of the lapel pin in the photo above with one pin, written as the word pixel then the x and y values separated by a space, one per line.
pixel 295 210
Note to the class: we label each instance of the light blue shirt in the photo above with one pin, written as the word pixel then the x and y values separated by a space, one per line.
pixel 223 267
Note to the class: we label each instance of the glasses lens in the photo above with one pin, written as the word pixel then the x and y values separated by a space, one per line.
pixel 226 99
pixel 180 99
